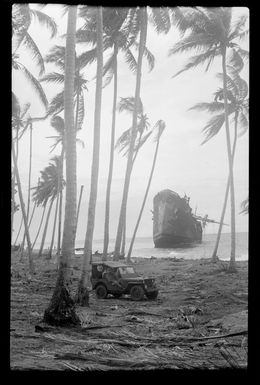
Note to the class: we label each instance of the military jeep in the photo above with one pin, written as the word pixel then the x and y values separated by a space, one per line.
pixel 118 278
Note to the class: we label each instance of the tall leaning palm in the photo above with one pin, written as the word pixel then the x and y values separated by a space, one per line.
pixel 238 108
pixel 61 308
pixel 123 143
pixel 211 32
pixel 122 215
pixel 160 20
pixel 82 293
pixel 160 125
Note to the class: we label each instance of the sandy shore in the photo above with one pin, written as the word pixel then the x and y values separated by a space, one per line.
pixel 199 320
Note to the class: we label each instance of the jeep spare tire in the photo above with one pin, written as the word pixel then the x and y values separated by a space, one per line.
pixel 101 291
pixel 137 293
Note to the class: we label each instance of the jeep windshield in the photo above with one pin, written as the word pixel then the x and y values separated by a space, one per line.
pixel 127 271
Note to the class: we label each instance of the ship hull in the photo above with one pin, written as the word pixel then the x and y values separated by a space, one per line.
pixel 173 222
pixel 169 241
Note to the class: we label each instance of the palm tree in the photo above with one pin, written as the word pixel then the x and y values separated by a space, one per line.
pixel 61 308
pixel 22 16
pixel 31 264
pixel 123 142
pixel 82 293
pixel 237 91
pixel 19 123
pixel 56 105
pixel 161 21
pixel 143 33
pixel 211 32
pixel 40 198
pixel 49 190
pixel 78 208
pixel 160 125
pixel 57 122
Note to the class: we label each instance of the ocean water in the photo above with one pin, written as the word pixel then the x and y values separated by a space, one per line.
pixel 144 247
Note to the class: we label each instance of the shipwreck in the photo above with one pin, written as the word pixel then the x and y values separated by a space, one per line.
pixel 174 223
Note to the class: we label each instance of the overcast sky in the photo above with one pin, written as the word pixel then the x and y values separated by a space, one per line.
pixel 183 165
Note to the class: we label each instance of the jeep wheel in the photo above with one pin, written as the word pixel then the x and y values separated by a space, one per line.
pixel 101 291
pixel 152 295
pixel 137 293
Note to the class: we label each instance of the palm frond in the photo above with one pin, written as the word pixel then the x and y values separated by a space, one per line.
pixel 186 19
pixel 160 127
pixel 35 84
pixel 109 63
pixel 84 35
pixel 56 105
pixel 53 77
pixel 237 28
pixel 199 42
pixel 81 111
pixel 57 122
pixel 21 20
pixel 243 53
pixel 142 141
pixel 243 35
pixel 244 206
pixel 81 142
pixel 127 104
pixel 243 123
pixel 87 57
pixel 235 61
pixel 25 109
pixel 124 140
pixel 199 59
pixel 45 21
pixel 56 56
pixel 160 18
pixel 29 43
pixel 148 55
pixel 213 126
pixel 130 59
pixel 211 107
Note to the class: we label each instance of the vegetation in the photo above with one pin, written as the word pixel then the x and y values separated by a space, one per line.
pixel 112 41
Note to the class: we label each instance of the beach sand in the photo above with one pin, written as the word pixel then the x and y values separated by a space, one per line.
pixel 199 320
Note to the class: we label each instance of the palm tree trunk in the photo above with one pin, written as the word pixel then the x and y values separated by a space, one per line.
pixel 20 227
pixel 111 162
pixel 40 226
pixel 123 242
pixel 45 228
pixel 77 112
pixel 54 227
pixel 32 214
pixel 82 294
pixel 60 204
pixel 13 206
pixel 144 201
pixel 232 263
pixel 29 182
pixel 61 310
pixel 31 264
pixel 78 209
pixel 214 257
pixel 122 216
